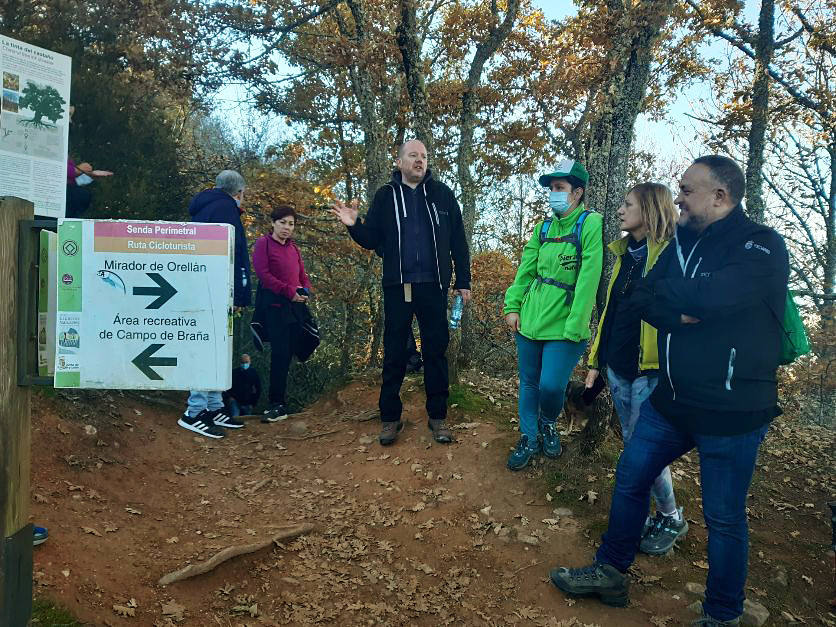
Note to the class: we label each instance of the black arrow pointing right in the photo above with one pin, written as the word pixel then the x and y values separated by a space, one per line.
pixel 164 292
pixel 144 361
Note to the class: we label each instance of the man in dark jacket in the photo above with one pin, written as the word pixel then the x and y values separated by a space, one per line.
pixel 245 391
pixel 416 223
pixel 205 414
pixel 717 297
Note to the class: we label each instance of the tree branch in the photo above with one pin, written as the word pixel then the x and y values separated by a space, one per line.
pixel 801 98
pixel 806 25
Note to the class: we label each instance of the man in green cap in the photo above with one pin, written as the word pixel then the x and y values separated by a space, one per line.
pixel 548 307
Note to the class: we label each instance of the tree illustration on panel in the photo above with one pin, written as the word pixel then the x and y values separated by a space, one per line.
pixel 45 102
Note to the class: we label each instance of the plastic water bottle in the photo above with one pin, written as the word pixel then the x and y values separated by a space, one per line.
pixel 456 312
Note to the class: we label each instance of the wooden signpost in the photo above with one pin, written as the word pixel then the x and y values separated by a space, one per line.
pixel 15 421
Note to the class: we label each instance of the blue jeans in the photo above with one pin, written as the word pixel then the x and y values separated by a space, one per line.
pixel 726 467
pixel 236 410
pixel 628 396
pixel 200 400
pixel 545 368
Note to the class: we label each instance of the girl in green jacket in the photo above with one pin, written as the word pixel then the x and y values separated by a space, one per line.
pixel 625 345
pixel 548 307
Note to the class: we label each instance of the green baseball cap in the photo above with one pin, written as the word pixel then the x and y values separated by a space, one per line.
pixel 567 167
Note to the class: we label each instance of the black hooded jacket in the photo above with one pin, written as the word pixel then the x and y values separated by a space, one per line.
pixel 382 230
pixel 215 205
pixel 733 278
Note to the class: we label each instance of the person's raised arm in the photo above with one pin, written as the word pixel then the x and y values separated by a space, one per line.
pixel 369 232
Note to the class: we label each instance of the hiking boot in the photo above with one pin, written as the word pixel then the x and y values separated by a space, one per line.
pixel 707 621
pixel 441 432
pixel 222 419
pixel 389 432
pixel 663 534
pixel 276 412
pixel 40 535
pixel 201 424
pixel 596 580
pixel 550 439
pixel 523 453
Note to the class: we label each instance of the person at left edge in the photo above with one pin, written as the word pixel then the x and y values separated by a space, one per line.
pixel 415 221
pixel 205 412
pixel 548 307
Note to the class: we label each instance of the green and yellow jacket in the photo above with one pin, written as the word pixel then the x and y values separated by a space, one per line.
pixel 545 311
pixel 648 351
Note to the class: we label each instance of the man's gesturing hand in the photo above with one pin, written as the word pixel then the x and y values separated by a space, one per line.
pixel 347 214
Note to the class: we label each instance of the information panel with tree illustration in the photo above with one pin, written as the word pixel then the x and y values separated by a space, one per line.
pixel 34 125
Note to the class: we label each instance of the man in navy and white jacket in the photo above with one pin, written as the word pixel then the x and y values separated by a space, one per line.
pixel 717 298
pixel 205 414
pixel 416 225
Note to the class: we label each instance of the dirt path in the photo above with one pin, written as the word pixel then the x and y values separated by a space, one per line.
pixel 413 534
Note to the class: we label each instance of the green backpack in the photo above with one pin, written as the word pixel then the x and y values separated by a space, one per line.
pixel 794 342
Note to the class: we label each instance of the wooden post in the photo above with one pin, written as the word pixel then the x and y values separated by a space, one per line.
pixel 15 424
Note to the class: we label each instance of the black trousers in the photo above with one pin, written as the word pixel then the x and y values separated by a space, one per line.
pixel 284 337
pixel 429 305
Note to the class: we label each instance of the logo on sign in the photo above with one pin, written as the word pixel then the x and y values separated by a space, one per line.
pixel 112 279
pixel 67 279
pixel 69 339
pixel 70 247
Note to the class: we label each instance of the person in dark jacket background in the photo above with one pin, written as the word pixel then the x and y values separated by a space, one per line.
pixel 205 414
pixel 416 223
pixel 222 204
pixel 245 391
pixel 717 297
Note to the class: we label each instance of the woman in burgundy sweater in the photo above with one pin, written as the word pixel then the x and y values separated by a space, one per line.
pixel 278 265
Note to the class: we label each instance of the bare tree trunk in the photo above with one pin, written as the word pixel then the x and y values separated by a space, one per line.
pixel 414 69
pixel 612 132
pixel 349 185
pixel 764 47
pixel 345 344
pixel 377 158
pixel 464 159
pixel 829 283
pixel 828 311
pixel 375 306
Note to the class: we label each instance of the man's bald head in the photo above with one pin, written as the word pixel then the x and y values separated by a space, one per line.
pixel 412 162
pixel 412 143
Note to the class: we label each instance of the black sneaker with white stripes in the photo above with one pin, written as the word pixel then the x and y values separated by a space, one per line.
pixel 201 424
pixel 222 419
pixel 276 412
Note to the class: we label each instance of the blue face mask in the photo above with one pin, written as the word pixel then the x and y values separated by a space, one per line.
pixel 558 202
pixel 245 366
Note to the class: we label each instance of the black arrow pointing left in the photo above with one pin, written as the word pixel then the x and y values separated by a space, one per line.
pixel 144 361
pixel 164 291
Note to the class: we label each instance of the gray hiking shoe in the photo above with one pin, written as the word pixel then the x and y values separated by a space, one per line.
pixel 596 580
pixel 663 534
pixel 441 432
pixel 707 621
pixel 389 432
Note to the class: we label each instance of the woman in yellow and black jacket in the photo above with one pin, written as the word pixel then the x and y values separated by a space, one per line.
pixel 625 347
